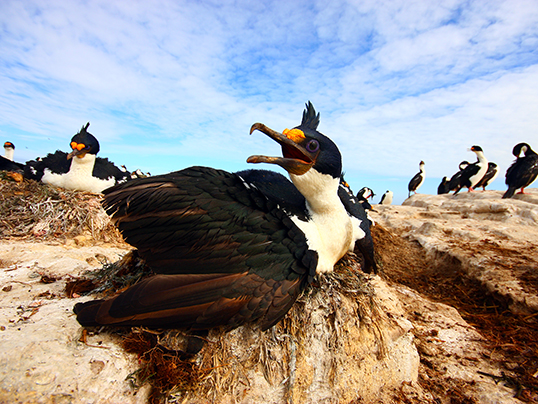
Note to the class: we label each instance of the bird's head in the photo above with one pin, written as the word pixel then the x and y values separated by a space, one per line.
pixel 476 149
pixel 83 143
pixel 303 147
pixel 9 145
pixel 521 148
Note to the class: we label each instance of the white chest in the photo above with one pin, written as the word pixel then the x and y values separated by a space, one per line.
pixel 79 177
pixel 330 231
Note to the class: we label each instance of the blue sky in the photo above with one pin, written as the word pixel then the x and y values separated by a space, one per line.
pixel 170 84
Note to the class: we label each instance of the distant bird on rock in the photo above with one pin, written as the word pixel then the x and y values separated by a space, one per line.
pixel 386 199
pixel 474 172
pixel 443 186
pixel 6 161
pixel 489 177
pixel 523 171
pixel 80 170
pixel 417 180
pixel 230 248
pixel 363 195
pixel 455 180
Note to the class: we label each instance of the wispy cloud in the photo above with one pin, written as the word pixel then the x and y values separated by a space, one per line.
pixel 172 83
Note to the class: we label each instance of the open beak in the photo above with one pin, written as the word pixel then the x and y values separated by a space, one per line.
pixel 296 159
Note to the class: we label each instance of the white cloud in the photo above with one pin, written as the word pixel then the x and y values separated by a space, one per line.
pixel 394 80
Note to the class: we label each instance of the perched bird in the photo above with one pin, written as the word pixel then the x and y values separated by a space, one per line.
pixel 474 172
pixel 6 161
pixel 230 248
pixel 489 177
pixel 363 195
pixel 386 199
pixel 455 180
pixel 443 186
pixel 523 171
pixel 80 170
pixel 417 180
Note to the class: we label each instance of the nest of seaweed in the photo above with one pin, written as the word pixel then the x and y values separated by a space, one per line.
pixel 224 361
pixel 32 210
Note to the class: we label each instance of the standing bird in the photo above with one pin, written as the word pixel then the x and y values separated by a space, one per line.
pixel 6 161
pixel 230 248
pixel 474 172
pixel 417 180
pixel 386 199
pixel 80 170
pixel 523 171
pixel 455 180
pixel 489 177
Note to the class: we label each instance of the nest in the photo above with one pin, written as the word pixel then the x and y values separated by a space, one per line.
pixel 220 364
pixel 32 210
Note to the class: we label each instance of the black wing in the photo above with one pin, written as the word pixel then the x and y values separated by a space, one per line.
pixel 521 174
pixel 8 165
pixel 105 169
pixel 466 174
pixel 413 184
pixel 225 253
pixel 56 162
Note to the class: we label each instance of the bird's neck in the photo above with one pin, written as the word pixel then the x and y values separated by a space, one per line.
pixel 9 153
pixel 329 230
pixel 481 157
pixel 319 190
pixel 83 166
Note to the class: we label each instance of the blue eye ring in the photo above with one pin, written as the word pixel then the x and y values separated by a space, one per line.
pixel 312 146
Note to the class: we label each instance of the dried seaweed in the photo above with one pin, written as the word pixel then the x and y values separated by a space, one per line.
pixel 32 210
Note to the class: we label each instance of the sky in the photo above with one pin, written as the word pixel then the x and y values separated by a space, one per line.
pixel 170 84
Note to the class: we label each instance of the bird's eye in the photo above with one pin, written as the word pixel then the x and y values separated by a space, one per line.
pixel 312 146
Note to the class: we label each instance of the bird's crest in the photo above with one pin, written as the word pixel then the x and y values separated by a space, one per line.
pixel 310 118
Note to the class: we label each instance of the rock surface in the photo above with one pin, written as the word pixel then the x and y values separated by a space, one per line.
pixel 386 340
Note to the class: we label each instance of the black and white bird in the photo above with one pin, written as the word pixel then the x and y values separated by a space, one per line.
pixel 386 199
pixel 489 177
pixel 443 186
pixel 455 180
pixel 417 180
pixel 80 170
pixel 6 161
pixel 523 171
pixel 230 248
pixel 474 172
pixel 363 195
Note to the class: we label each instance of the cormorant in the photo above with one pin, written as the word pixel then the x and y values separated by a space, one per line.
pixel 474 172
pixel 80 170
pixel 523 171
pixel 230 248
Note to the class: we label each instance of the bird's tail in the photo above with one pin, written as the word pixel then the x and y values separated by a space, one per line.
pixel 509 193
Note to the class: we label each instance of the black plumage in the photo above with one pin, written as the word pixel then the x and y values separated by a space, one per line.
pixel 228 248
pixel 7 163
pixel 489 177
pixel 417 180
pixel 84 145
pixel 474 172
pixel 523 170
pixel 363 195
pixel 455 180
pixel 443 187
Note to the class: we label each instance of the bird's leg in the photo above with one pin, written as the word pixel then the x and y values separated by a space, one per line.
pixel 522 191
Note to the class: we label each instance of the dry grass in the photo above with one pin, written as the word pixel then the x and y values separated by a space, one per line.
pixel 32 210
